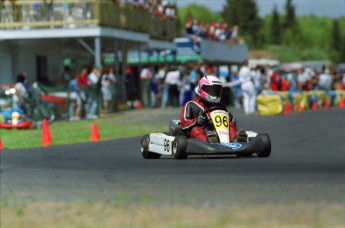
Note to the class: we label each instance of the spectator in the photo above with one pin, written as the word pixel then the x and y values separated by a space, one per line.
pixel 283 82
pixel 173 81
pixel 234 34
pixel 82 79
pixel 107 83
pixel 192 31
pixel 145 85
pixel 21 92
pixel 66 75
pixel 162 86
pixel 75 99
pixel 94 83
pixel 257 79
pixel 292 80
pixel 154 88
pixel 248 88
pixel 325 80
pixel 133 93
pixel 274 80
pixel 186 87
pixel 82 83
pixel 236 89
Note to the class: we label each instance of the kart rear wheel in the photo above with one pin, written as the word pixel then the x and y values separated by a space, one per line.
pixel 179 146
pixel 145 141
pixel 267 145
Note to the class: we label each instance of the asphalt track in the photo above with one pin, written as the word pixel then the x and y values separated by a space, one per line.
pixel 307 165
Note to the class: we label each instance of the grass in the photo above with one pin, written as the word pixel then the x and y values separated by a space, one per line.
pixel 64 132
pixel 129 214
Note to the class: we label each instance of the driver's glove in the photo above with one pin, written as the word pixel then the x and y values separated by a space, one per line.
pixel 201 119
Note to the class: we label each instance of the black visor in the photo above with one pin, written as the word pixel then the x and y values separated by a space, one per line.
pixel 212 90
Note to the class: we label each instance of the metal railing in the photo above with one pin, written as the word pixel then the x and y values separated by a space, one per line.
pixel 36 14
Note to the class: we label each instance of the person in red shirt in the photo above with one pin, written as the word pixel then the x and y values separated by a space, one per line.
pixel 82 81
pixel 191 118
pixel 274 81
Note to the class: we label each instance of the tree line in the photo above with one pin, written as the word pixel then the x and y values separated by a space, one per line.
pixel 286 36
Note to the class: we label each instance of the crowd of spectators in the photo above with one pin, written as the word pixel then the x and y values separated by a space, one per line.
pixel 160 8
pixel 49 10
pixel 95 92
pixel 211 31
pixel 164 86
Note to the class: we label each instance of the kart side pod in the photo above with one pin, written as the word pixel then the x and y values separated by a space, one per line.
pixel 155 144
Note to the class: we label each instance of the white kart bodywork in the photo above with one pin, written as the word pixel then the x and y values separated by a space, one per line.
pixel 161 143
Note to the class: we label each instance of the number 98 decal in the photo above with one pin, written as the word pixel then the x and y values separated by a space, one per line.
pixel 166 145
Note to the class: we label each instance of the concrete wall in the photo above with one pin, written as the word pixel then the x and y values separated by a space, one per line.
pixel 223 52
pixel 5 63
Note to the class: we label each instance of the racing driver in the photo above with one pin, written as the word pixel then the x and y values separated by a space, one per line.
pixel 209 90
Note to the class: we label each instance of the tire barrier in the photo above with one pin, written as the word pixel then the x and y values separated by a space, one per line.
pixel 286 102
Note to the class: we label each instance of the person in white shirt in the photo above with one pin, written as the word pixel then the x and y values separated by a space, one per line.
pixel 248 88
pixel 172 79
pixel 93 80
pixel 108 83
pixel 325 80
pixel 145 85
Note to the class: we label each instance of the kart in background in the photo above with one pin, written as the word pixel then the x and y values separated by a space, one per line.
pixel 178 144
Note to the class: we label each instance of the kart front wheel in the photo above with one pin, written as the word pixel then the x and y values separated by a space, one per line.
pixel 267 145
pixel 179 146
pixel 145 141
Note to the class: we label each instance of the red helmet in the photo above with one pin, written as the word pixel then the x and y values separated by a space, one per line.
pixel 210 89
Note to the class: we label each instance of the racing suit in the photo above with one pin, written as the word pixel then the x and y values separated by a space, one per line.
pixel 189 117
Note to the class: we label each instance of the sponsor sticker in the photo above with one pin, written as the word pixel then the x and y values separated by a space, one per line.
pixel 232 145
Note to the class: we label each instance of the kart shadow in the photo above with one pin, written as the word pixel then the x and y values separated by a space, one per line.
pixel 212 157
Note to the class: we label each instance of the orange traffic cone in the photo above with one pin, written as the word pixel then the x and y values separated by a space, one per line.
pixel 139 105
pixel 286 109
pixel 314 105
pixel 290 107
pixel 341 102
pixel 325 104
pixel 1 146
pixel 299 107
pixel 46 137
pixel 94 136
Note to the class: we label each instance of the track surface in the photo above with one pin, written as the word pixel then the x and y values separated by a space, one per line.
pixel 307 165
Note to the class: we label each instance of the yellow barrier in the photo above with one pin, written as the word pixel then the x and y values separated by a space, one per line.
pixel 271 103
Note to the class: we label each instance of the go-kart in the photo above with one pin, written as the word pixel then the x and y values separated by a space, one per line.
pixel 178 144
pixel 14 118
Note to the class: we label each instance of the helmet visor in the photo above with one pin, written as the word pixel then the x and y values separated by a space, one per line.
pixel 213 90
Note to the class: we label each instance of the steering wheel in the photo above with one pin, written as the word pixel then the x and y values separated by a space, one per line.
pixel 214 108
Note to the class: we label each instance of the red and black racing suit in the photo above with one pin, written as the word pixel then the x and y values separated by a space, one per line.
pixel 190 114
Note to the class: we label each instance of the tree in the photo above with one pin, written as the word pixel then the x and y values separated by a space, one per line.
pixel 342 51
pixel 275 27
pixel 290 16
pixel 244 13
pixel 336 36
pixel 291 35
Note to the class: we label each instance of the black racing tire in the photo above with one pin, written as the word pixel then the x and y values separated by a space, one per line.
pixel 145 141
pixel 179 146
pixel 267 145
